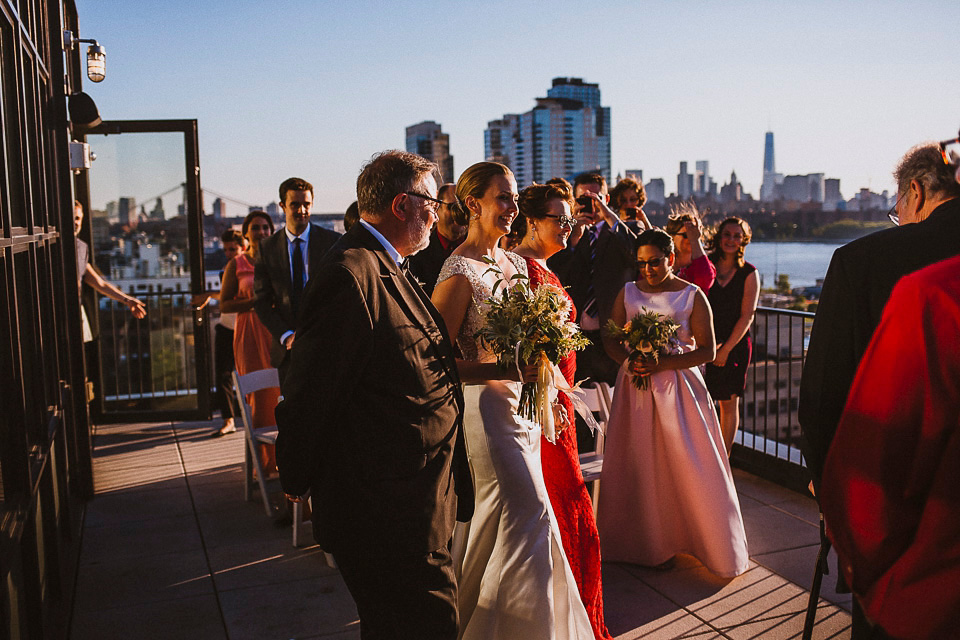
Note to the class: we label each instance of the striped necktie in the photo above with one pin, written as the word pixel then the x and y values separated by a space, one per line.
pixel 590 307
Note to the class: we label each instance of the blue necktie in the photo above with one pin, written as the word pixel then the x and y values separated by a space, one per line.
pixel 297 275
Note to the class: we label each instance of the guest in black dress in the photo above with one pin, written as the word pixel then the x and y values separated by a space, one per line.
pixel 733 297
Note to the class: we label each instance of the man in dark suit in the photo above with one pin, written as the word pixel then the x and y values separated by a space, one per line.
pixel 446 236
pixel 859 281
pixel 283 268
pixel 599 259
pixel 372 412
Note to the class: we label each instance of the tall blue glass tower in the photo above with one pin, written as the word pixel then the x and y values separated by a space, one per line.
pixel 768 165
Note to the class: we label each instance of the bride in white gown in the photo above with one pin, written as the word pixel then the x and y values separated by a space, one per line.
pixel 513 576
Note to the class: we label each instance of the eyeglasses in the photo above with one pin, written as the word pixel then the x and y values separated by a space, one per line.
pixel 436 202
pixel 892 214
pixel 563 221
pixel 653 263
pixel 950 151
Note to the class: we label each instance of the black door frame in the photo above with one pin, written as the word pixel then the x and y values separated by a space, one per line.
pixel 194 213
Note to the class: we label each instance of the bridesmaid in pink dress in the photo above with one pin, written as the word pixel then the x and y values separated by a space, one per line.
pixel 544 225
pixel 666 484
pixel 251 340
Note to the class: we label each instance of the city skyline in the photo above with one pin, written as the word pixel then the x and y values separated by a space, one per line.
pixel 315 90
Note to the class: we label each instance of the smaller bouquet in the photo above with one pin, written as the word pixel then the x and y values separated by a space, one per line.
pixel 648 335
pixel 521 326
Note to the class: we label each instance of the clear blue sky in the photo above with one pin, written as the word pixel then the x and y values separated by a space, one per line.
pixel 313 89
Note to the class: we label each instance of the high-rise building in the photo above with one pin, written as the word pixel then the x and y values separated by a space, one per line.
pixel 566 133
pixel 126 210
pixel 701 179
pixel 684 182
pixel 656 191
pixel 634 174
pixel 803 188
pixel 771 179
pixel 219 209
pixel 769 166
pixel 831 194
pixel 157 213
pixel 732 191
pixel 428 140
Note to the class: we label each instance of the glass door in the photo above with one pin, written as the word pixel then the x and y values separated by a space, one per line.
pixel 146 237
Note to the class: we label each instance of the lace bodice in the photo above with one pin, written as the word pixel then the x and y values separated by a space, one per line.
pixel 482 288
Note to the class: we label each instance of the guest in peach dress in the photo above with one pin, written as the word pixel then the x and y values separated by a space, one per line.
pixel 251 339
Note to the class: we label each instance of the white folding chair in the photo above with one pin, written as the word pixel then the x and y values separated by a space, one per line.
pixel 243 385
pixel 597 398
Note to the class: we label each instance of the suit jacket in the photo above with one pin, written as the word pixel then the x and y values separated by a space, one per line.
pixel 615 266
pixel 859 281
pixel 272 283
pixel 426 264
pixel 372 409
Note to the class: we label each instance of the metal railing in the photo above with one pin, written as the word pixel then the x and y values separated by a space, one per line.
pixel 767 443
pixel 148 364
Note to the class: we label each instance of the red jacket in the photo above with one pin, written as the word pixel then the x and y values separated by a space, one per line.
pixel 891 485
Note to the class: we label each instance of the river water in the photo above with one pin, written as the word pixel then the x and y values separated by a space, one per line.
pixel 804 262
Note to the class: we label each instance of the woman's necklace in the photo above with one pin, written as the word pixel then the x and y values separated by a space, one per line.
pixel 725 273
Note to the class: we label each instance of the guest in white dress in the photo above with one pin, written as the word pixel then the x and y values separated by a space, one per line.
pixel 513 576
pixel 667 484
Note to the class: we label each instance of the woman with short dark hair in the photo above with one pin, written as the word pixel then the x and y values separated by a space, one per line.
pixel 667 487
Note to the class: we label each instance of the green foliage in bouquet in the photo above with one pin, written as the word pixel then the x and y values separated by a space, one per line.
pixel 535 320
pixel 522 323
pixel 648 335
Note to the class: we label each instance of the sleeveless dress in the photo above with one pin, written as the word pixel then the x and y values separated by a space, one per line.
pixel 514 580
pixel 568 494
pixel 251 348
pixel 726 301
pixel 666 486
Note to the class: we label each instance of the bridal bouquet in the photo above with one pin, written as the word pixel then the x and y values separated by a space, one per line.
pixel 648 334
pixel 521 326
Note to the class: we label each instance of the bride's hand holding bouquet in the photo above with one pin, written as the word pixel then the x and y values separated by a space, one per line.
pixel 529 330
pixel 649 336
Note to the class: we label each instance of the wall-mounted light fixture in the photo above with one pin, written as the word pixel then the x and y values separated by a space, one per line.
pixel 96 55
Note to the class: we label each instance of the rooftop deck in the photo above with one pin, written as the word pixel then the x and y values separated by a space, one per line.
pixel 171 550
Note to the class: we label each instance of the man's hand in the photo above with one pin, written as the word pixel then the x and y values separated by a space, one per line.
pixel 288 343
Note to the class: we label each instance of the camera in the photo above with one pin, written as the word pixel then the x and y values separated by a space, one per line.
pixel 586 202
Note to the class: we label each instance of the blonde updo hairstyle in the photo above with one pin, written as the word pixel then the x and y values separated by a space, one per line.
pixel 474 182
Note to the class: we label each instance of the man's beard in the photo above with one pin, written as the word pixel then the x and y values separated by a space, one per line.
pixel 419 235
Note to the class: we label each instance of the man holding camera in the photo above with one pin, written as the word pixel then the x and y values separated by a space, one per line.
pixel 598 261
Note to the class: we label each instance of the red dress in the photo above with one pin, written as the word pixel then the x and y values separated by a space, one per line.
pixel 568 493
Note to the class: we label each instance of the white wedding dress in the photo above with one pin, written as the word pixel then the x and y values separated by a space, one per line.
pixel 514 580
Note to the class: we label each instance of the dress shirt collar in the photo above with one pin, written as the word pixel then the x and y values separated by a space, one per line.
pixel 305 236
pixel 394 254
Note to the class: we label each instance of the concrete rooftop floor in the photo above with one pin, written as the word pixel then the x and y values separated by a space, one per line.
pixel 171 550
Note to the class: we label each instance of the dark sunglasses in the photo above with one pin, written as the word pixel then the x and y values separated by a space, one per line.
pixel 653 263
